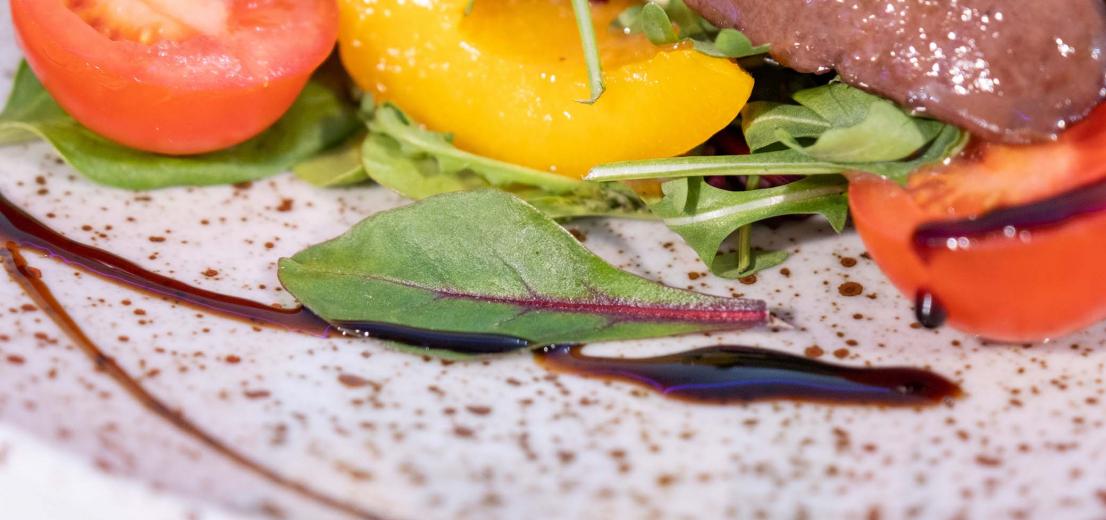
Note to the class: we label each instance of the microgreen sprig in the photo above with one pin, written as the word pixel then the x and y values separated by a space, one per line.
pixel 582 10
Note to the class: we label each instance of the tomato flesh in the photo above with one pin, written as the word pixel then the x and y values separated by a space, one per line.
pixel 1025 287
pixel 151 21
pixel 175 76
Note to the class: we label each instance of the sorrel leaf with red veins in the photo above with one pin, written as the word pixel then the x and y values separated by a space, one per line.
pixel 486 262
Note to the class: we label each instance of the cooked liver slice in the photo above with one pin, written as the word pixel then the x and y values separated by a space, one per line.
pixel 1008 70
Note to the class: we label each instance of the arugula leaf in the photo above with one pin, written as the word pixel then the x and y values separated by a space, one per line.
pixel 948 143
pixel 863 128
pixel 705 216
pixel 851 130
pixel 486 262
pixel 796 121
pixel 319 118
pixel 418 163
pixel 783 162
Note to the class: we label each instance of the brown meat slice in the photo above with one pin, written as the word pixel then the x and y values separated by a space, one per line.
pixel 1008 70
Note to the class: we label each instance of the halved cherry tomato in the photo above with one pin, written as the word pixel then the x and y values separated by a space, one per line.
pixel 1048 284
pixel 507 79
pixel 175 76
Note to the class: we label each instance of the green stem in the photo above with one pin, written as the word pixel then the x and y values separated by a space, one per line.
pixel 784 162
pixel 745 234
pixel 582 9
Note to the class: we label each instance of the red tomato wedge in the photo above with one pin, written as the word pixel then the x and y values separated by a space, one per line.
pixel 1020 287
pixel 175 76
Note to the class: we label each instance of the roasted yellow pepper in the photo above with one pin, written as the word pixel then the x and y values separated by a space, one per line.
pixel 507 80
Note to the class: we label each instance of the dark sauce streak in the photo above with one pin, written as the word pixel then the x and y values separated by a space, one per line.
pixel 928 310
pixel 733 374
pixel 17 267
pixel 717 374
pixel 17 227
pixel 1013 223
pixel 466 343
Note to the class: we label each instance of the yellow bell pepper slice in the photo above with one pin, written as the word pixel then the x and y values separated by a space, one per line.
pixel 507 80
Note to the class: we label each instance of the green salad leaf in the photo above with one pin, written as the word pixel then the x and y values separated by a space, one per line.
pixel 418 163
pixel 730 43
pixel 656 25
pixel 339 166
pixel 949 141
pixel 859 127
pixel 320 118
pixel 833 129
pixel 486 262
pixel 796 121
pixel 706 216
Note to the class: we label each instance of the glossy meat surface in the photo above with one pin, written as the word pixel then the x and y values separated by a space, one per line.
pixel 1014 71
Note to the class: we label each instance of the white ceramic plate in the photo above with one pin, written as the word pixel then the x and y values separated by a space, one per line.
pixel 499 439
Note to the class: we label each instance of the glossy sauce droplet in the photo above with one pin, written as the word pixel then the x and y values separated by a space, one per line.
pixel 729 374
pixel 928 310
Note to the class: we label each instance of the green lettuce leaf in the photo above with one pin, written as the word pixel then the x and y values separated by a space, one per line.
pixel 485 262
pixel 320 118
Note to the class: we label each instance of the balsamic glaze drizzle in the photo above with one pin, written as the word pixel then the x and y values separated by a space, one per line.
pixel 714 374
pixel 464 343
pixel 729 374
pixel 31 283
pixel 1012 223
pixel 23 230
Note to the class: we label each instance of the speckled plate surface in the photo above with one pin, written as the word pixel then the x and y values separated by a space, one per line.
pixel 398 436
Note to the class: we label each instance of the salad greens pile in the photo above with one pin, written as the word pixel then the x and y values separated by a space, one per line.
pixel 831 129
pixel 530 278
pixel 418 163
pixel 827 131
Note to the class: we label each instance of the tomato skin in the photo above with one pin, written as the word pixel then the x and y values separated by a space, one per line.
pixel 197 95
pixel 1008 289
